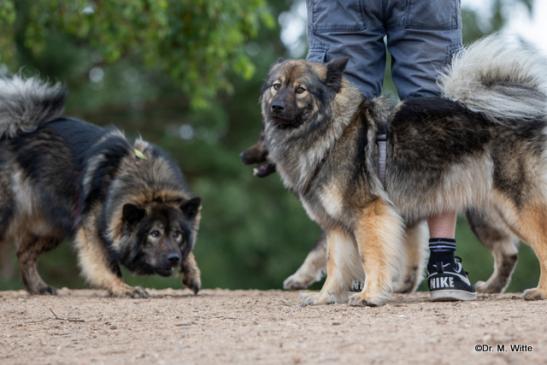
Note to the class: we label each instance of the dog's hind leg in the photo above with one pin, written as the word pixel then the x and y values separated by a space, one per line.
pixel 494 233
pixel 529 221
pixel 28 249
pixel 342 267
pixel 311 270
pixel 379 235
pixel 532 227
pixel 414 247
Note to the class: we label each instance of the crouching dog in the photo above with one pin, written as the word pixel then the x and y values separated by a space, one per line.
pixel 369 172
pixel 125 203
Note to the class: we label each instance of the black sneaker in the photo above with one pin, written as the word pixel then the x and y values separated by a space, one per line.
pixel 448 282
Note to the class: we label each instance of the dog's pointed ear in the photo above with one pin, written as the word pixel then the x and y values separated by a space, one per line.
pixel 132 214
pixel 335 71
pixel 190 208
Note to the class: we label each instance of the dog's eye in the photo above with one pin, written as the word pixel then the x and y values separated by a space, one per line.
pixel 154 233
pixel 177 235
pixel 300 89
pixel 276 85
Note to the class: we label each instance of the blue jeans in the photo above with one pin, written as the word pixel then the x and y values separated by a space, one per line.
pixel 422 36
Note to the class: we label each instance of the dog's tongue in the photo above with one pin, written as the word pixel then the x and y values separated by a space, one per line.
pixel 264 169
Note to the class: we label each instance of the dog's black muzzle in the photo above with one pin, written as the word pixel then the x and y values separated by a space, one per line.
pixel 285 121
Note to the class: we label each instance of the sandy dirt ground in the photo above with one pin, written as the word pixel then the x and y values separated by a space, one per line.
pixel 265 327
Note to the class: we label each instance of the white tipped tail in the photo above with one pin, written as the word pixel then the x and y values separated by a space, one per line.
pixel 500 76
pixel 27 103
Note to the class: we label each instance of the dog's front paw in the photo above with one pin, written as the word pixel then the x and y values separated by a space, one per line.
pixel 483 287
pixel 295 282
pixel 362 300
pixel 324 299
pixel 192 282
pixel 128 291
pixel 318 299
pixel 535 294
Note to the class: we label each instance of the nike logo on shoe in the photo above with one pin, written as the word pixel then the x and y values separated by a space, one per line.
pixel 442 283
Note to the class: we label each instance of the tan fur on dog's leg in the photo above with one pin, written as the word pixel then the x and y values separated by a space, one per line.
pixel 342 267
pixel 532 226
pixel 415 249
pixel 95 265
pixel 191 275
pixel 379 236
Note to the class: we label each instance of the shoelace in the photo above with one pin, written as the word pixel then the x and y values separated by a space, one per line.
pixel 439 266
pixel 458 260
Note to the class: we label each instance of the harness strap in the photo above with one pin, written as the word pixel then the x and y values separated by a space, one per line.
pixel 381 142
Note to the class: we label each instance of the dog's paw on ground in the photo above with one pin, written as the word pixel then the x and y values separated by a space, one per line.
pixel 317 299
pixel 323 299
pixel 193 283
pixel 487 288
pixel 135 292
pixel 48 290
pixel 534 294
pixel 295 282
pixel 360 300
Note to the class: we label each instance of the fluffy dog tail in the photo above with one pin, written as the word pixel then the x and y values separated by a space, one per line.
pixel 502 77
pixel 25 104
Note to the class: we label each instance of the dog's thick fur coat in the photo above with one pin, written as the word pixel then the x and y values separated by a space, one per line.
pixel 456 152
pixel 125 203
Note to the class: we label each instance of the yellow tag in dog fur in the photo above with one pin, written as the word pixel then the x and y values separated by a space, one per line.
pixel 139 154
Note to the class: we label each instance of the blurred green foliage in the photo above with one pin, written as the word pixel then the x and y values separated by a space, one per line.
pixel 196 42
pixel 186 75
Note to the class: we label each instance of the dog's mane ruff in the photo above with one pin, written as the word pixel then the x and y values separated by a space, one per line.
pixel 25 104
pixel 499 76
pixel 344 107
pixel 345 104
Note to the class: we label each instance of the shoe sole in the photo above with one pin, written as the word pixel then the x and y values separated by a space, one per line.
pixel 447 295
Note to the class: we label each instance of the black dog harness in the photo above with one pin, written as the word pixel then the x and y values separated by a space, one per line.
pixel 381 143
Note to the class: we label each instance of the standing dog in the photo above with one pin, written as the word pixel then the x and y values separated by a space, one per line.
pixel 487 226
pixel 483 145
pixel 125 203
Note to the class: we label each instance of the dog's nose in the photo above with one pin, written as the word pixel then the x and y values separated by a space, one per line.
pixel 277 107
pixel 173 258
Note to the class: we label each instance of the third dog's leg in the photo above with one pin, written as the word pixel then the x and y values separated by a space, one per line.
pixel 342 267
pixel 493 233
pixel 311 270
pixel 379 235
